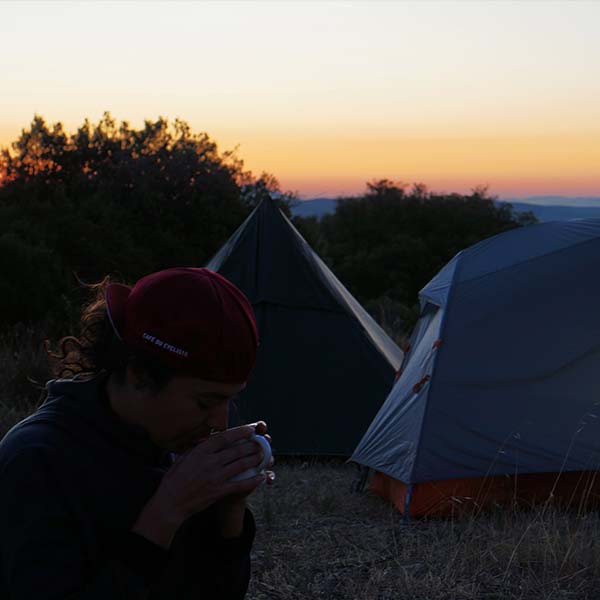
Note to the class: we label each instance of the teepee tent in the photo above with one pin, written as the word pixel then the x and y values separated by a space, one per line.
pixel 499 396
pixel 324 366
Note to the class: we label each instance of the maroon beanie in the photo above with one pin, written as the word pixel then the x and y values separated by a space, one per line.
pixel 192 320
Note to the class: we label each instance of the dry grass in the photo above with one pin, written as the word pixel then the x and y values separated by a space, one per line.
pixel 318 539
pixel 23 371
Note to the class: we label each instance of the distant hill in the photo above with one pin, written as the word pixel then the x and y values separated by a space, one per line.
pixel 558 213
pixel 545 208
pixel 315 207
pixel 557 201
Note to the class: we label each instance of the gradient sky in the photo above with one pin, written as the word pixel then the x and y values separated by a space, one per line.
pixel 329 95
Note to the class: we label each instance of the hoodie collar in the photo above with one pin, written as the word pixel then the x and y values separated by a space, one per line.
pixel 86 399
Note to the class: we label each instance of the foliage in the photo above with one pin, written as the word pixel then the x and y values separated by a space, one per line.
pixel 387 244
pixel 112 199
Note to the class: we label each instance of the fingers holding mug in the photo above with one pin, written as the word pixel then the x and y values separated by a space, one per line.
pixel 260 427
pixel 246 468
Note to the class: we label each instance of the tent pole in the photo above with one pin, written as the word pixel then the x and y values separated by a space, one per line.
pixel 360 484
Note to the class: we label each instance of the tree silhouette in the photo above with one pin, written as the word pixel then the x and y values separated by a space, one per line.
pixel 113 199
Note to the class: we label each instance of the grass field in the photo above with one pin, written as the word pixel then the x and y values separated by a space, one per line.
pixel 318 539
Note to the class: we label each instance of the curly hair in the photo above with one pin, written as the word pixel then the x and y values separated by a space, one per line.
pixel 97 349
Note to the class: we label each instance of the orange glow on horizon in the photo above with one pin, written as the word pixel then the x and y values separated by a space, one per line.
pixel 509 165
pixel 333 188
pixel 313 164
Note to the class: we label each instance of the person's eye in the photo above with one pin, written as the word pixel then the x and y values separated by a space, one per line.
pixel 208 403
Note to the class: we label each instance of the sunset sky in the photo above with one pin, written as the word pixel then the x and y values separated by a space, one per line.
pixel 329 95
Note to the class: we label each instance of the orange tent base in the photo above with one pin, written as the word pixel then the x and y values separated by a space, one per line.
pixel 579 489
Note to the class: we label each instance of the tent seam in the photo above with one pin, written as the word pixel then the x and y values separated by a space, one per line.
pixel 257 253
pixel 314 260
pixel 433 370
pixel 234 239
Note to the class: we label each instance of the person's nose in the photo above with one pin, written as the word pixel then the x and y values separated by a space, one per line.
pixel 219 418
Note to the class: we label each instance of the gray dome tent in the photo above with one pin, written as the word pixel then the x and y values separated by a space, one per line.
pixel 500 389
pixel 324 366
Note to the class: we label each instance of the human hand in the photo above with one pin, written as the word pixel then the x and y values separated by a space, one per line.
pixel 263 440
pixel 198 479
pixel 230 509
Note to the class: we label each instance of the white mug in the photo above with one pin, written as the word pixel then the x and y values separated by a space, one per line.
pixel 266 450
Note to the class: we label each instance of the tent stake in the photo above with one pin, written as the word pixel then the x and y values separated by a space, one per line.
pixel 407 500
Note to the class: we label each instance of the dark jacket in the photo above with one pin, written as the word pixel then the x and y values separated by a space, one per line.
pixel 73 480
